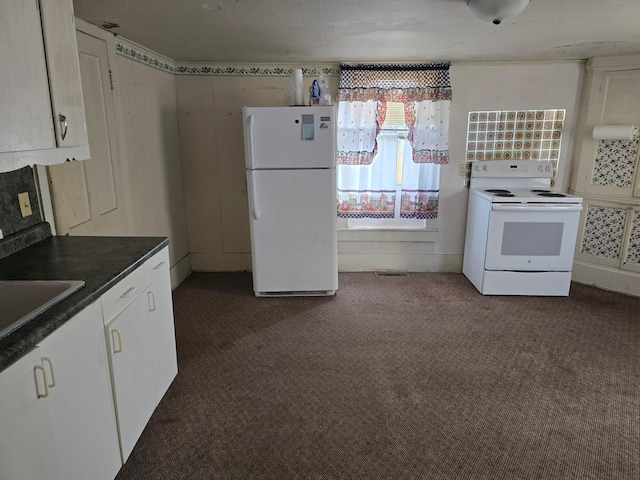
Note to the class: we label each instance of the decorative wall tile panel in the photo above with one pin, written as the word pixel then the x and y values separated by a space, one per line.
pixel 515 134
pixel 633 251
pixel 615 163
pixel 603 231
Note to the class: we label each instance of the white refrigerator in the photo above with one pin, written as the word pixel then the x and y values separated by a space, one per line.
pixel 290 155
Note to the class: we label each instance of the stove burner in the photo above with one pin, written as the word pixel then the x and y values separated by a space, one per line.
pixel 551 194
pixel 541 191
pixel 497 190
pixel 507 194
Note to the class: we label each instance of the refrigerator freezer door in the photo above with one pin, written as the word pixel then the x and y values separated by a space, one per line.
pixel 293 232
pixel 289 137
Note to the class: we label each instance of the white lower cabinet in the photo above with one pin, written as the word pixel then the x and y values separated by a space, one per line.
pixel 27 445
pixel 74 407
pixel 138 315
pixel 161 325
pixel 132 372
pixel 57 414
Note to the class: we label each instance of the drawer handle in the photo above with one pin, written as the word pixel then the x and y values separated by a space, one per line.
pixel 40 368
pixel 117 349
pixel 128 293
pixel 53 379
pixel 158 265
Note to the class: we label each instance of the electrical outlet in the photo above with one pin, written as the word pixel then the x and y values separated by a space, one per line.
pixel 462 169
pixel 25 204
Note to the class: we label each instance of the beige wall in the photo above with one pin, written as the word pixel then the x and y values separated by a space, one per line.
pixel 210 112
pixel 153 172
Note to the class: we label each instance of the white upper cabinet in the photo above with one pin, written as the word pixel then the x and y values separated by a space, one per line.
pixel 42 118
pixel 61 49
pixel 25 118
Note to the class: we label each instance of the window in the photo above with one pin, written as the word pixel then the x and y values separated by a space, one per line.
pixel 392 138
pixel 394 159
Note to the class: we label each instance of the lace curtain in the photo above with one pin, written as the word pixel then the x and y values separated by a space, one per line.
pixel 367 184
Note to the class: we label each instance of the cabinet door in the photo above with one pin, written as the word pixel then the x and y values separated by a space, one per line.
pixel 25 116
pixel 602 233
pixel 64 72
pixel 80 399
pixel 27 446
pixel 631 258
pixel 162 335
pixel 132 372
pixel 613 163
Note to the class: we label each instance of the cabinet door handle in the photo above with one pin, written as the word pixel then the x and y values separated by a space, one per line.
pixel 117 334
pixel 36 369
pixel 53 379
pixel 152 301
pixel 64 125
pixel 158 265
pixel 128 292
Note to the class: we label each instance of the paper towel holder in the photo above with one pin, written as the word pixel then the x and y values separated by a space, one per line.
pixel 614 132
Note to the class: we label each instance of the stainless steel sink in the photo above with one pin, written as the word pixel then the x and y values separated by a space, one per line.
pixel 23 300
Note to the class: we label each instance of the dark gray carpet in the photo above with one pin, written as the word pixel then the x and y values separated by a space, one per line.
pixel 416 377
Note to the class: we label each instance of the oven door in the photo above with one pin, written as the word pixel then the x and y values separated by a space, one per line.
pixel 532 237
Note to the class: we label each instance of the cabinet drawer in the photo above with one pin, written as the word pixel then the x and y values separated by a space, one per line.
pixel 123 293
pixel 158 265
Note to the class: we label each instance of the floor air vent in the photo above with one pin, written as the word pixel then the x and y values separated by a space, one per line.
pixel 392 273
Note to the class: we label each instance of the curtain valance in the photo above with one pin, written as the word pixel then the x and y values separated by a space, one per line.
pixel 423 89
pixel 395 83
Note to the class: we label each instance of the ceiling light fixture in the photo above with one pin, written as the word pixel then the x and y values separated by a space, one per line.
pixel 497 10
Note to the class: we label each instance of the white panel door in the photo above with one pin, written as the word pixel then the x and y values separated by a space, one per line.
pixel 290 137
pixel 88 197
pixel 293 230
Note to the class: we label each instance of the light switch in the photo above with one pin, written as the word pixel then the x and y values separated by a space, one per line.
pixel 25 204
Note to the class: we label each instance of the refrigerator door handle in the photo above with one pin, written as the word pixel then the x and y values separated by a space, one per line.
pixel 253 194
pixel 250 122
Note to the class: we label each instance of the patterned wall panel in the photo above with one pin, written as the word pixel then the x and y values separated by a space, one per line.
pixel 615 163
pixel 603 231
pixel 633 250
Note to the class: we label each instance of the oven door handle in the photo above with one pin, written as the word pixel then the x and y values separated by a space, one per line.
pixel 537 208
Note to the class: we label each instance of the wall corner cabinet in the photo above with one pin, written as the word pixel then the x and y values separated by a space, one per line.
pixel 77 403
pixel 42 120
pixel 607 175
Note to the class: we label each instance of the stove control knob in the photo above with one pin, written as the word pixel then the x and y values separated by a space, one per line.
pixel 540 168
pixel 548 168
pixel 485 168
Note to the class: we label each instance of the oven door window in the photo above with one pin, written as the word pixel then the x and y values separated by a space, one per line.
pixel 531 240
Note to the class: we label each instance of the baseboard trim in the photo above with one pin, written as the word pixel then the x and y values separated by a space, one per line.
pixel 180 271
pixel 348 262
pixel 220 262
pixel 607 278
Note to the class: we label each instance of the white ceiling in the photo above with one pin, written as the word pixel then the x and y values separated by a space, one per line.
pixel 306 31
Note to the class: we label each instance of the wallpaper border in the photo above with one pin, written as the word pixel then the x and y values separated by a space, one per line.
pixel 139 54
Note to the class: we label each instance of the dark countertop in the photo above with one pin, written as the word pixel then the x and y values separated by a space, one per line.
pixel 100 261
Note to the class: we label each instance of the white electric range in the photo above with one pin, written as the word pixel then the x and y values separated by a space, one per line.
pixel 521 234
